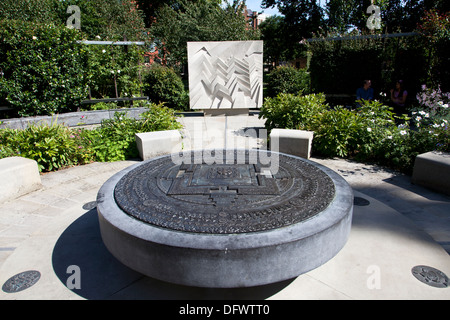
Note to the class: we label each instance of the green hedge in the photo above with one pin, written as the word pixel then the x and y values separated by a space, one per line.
pixel 45 69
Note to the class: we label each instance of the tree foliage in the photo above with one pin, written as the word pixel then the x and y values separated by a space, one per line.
pixel 201 20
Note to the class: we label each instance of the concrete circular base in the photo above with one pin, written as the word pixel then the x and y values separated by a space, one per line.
pixel 226 260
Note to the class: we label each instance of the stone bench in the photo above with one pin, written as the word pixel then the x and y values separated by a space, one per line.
pixel 18 176
pixel 157 143
pixel 432 170
pixel 295 142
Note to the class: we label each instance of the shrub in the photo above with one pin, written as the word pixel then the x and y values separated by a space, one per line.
pixel 52 146
pixel 162 84
pixel 292 111
pixel 287 80
pixel 45 67
pixel 115 139
pixel 368 134
pixel 56 146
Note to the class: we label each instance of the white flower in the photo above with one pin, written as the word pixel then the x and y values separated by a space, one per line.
pixel 118 71
pixel 389 137
pixel 445 106
pixel 34 38
pixel 104 51
pixel 403 132
pixel 435 125
pixel 98 37
pixel 413 113
pixel 427 115
pixel 418 118
pixel 422 112
pixel 369 129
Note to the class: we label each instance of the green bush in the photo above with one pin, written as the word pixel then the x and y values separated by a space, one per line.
pixel 287 80
pixel 115 139
pixel 162 84
pixel 56 146
pixel 52 146
pixel 292 111
pixel 45 68
pixel 370 133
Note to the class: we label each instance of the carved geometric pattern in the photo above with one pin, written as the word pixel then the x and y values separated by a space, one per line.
pixel 225 74
pixel 224 198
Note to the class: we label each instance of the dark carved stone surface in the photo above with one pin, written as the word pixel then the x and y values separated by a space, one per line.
pixel 224 198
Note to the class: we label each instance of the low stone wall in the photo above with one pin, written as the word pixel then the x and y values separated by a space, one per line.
pixel 71 119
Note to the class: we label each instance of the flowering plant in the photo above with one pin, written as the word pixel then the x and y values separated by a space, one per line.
pixel 432 117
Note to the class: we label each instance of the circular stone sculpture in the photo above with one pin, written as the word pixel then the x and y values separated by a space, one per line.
pixel 225 218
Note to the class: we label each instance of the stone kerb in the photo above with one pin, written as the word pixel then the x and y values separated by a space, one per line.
pixel 157 143
pixel 18 176
pixel 295 142
pixel 432 170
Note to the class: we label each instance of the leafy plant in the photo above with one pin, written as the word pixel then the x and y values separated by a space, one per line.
pixel 162 84
pixel 52 146
pixel 115 139
pixel 287 80
pixel 292 111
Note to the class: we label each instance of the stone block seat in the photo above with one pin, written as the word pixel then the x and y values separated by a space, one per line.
pixel 157 143
pixel 432 170
pixel 295 142
pixel 18 176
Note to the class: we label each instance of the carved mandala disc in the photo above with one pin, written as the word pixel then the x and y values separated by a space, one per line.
pixel 224 198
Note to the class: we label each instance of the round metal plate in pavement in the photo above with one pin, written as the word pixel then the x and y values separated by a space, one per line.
pixel 431 276
pixel 21 281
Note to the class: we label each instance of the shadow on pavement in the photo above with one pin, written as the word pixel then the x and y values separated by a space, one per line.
pixel 101 276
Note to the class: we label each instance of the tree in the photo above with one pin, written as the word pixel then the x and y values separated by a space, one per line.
pixel 108 19
pixel 272 33
pixel 302 19
pixel 201 20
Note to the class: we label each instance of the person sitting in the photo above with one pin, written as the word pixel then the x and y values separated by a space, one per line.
pixel 365 92
pixel 398 97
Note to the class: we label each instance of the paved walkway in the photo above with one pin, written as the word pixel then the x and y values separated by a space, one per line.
pixel 396 226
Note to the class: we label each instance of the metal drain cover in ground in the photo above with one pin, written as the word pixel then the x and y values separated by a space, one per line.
pixel 237 222
pixel 21 281
pixel 430 276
